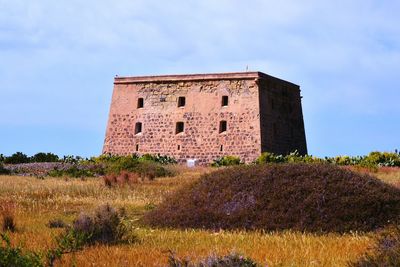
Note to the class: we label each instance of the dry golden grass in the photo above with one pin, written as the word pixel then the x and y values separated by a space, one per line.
pixel 390 176
pixel 37 201
pixel 279 249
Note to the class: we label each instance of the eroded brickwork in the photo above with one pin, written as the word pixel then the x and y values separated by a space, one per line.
pixel 201 115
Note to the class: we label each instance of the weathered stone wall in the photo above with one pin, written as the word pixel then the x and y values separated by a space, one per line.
pixel 201 116
pixel 282 126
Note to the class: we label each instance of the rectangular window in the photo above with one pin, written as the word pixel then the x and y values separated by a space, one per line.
pixel 137 147
pixel 224 102
pixel 180 127
pixel 221 148
pixel 222 126
pixel 138 128
pixel 140 102
pixel 179 147
pixel 181 101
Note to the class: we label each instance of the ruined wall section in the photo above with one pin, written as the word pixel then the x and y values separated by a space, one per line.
pixel 281 117
pixel 201 115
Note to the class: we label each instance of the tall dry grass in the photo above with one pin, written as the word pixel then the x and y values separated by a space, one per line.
pixel 272 249
pixel 38 201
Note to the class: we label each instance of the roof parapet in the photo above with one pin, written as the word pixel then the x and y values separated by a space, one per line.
pixel 256 75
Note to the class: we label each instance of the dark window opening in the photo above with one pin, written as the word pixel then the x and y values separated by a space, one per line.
pixel 222 126
pixel 179 147
pixel 221 148
pixel 224 101
pixel 137 147
pixel 138 127
pixel 140 102
pixel 181 101
pixel 179 127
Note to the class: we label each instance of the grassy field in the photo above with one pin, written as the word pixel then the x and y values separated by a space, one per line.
pixel 38 201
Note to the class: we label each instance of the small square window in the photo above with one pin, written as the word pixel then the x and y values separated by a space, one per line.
pixel 180 127
pixel 181 101
pixel 222 126
pixel 138 128
pixel 140 102
pixel 224 101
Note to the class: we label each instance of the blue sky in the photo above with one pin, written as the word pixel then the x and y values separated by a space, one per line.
pixel 58 60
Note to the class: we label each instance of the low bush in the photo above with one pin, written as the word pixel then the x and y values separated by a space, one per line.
pixel 144 168
pixel 231 260
pixel 72 159
pixel 7 210
pixel 386 251
pixel 105 226
pixel 158 159
pixel 226 161
pixel 372 160
pixel 303 197
pixel 14 256
pixel 123 179
pixel 383 159
pixel 3 170
pixel 56 223
pixel 73 171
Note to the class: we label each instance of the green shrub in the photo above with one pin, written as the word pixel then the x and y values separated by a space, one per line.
pixel 3 170
pixel 383 159
pixel 74 171
pixel 302 197
pixel 69 241
pixel 13 256
pixel 226 161
pixel 386 251
pixel 268 157
pixel 104 226
pixel 118 164
pixel 231 260
pixel 17 158
pixel 144 168
pixel 108 158
pixel 2 158
pixel 72 159
pixel 158 159
pixel 44 157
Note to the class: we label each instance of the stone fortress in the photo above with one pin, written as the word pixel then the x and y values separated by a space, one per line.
pixel 205 116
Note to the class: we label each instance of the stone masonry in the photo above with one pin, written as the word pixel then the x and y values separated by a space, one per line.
pixel 205 116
